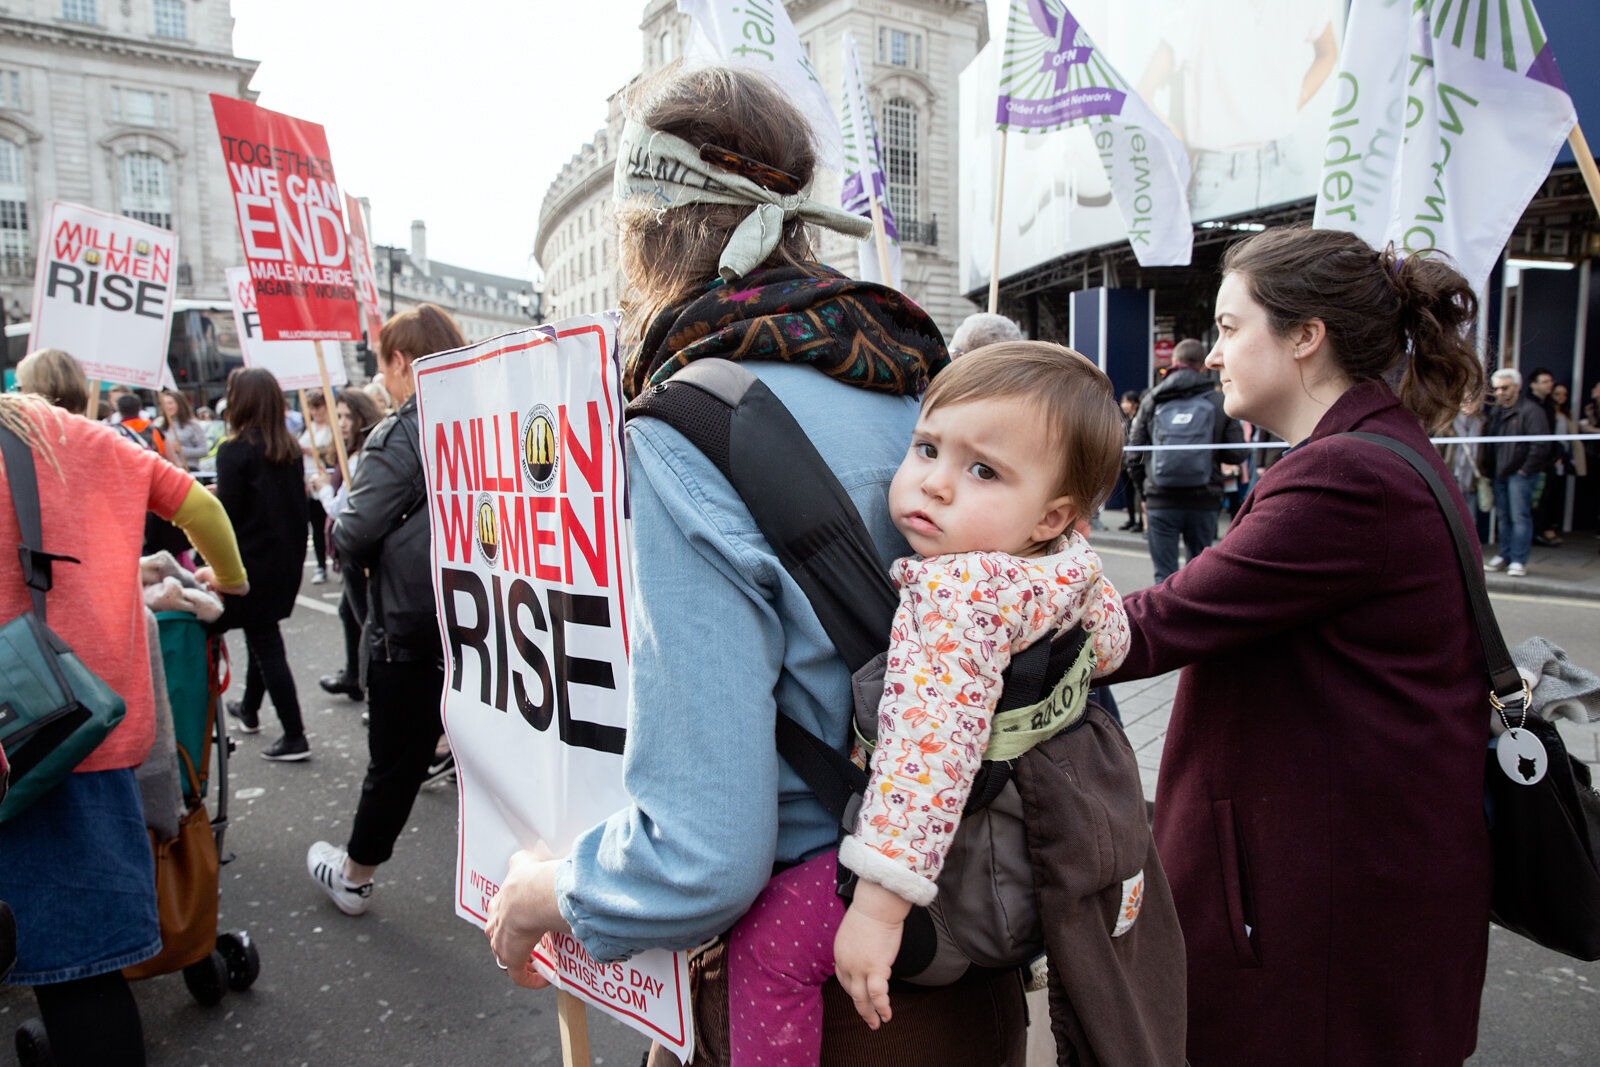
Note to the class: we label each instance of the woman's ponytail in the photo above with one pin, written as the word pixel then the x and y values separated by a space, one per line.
pixel 1438 311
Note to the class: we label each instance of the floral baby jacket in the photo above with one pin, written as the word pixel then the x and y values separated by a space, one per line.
pixel 961 618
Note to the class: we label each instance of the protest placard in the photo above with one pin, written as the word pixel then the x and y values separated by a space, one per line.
pixel 522 445
pixel 293 363
pixel 361 266
pixel 291 219
pixel 102 292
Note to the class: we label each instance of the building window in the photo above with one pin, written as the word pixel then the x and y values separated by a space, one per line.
pixel 79 10
pixel 172 18
pixel 666 47
pixel 900 161
pixel 140 107
pixel 15 248
pixel 146 189
pixel 899 48
pixel 10 89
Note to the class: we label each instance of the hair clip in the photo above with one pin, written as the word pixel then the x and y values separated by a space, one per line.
pixel 768 177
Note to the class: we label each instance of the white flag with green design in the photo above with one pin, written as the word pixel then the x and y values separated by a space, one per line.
pixel 758 34
pixel 864 181
pixel 1448 116
pixel 1053 77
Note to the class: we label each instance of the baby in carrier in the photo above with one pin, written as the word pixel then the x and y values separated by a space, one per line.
pixel 1014 444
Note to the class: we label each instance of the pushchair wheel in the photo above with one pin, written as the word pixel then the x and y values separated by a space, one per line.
pixel 244 962
pixel 207 979
pixel 33 1045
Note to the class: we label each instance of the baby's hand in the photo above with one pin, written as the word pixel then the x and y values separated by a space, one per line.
pixel 865 947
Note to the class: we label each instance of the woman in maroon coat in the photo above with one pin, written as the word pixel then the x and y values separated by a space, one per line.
pixel 1320 809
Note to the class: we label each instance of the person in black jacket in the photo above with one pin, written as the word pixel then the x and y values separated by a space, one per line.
pixel 384 528
pixel 1182 490
pixel 1515 467
pixel 261 483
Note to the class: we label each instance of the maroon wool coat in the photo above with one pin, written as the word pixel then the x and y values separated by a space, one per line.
pixel 1320 806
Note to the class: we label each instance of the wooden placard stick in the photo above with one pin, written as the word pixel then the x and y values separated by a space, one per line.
pixel 1591 174
pixel 999 201
pixel 882 236
pixel 94 399
pixel 327 395
pixel 574 1030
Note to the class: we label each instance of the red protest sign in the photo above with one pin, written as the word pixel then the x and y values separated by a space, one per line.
pixel 291 219
pixel 361 265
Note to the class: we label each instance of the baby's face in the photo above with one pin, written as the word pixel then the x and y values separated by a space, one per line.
pixel 981 475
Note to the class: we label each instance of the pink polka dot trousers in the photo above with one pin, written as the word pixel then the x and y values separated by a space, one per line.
pixel 779 955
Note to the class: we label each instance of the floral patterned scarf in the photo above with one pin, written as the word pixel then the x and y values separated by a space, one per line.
pixel 863 334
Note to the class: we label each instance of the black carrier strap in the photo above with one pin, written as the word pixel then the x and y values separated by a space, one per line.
pixel 805 514
pixel 24 485
pixel 1503 677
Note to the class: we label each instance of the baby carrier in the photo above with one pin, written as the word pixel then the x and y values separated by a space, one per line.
pixel 987 912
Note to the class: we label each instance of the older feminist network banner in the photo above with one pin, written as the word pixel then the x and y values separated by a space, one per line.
pixel 522 445
pixel 102 291
pixel 291 219
pixel 1052 78
pixel 293 363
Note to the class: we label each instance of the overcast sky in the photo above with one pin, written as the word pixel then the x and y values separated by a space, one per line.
pixel 458 113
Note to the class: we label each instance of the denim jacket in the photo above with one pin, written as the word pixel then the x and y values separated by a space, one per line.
pixel 721 638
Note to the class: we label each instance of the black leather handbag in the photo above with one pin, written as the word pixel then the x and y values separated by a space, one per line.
pixel 1544 830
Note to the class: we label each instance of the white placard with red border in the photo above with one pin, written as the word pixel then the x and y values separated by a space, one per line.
pixel 102 292
pixel 522 445
pixel 293 363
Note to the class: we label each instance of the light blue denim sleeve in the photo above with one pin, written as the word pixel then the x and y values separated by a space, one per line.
pixel 696 845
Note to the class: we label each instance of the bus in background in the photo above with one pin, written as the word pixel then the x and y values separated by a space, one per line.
pixel 202 349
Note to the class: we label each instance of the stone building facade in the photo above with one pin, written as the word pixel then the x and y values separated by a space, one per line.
pixel 911 52
pixel 483 305
pixel 104 103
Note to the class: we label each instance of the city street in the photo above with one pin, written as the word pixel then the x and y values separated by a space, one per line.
pixel 409 983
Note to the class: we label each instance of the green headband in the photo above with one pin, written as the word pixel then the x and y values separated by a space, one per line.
pixel 667 172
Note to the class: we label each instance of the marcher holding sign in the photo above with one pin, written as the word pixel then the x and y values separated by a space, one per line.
pixel 103 293
pixel 722 638
pixel 384 528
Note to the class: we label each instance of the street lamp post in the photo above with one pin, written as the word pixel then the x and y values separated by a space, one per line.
pixel 532 304
pixel 392 256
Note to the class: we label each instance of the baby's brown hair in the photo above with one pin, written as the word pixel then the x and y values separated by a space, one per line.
pixel 1078 401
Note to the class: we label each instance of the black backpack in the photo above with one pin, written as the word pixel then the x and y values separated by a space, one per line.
pixel 986 912
pixel 1184 420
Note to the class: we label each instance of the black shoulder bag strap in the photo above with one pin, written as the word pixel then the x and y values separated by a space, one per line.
pixel 726 412
pixel 1507 685
pixel 24 485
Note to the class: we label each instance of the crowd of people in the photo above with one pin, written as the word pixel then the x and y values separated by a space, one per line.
pixel 1517 491
pixel 1318 927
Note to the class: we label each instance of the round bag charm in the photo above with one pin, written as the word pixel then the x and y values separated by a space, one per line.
pixel 1522 756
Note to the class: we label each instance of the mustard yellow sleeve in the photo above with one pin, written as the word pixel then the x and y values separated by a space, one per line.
pixel 204 521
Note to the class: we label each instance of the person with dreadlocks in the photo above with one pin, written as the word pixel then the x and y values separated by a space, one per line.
pixel 77 866
pixel 712 221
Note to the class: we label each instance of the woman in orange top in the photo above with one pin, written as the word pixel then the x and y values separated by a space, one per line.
pixel 77 867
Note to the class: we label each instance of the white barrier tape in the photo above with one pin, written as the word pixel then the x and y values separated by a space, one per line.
pixel 1432 440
